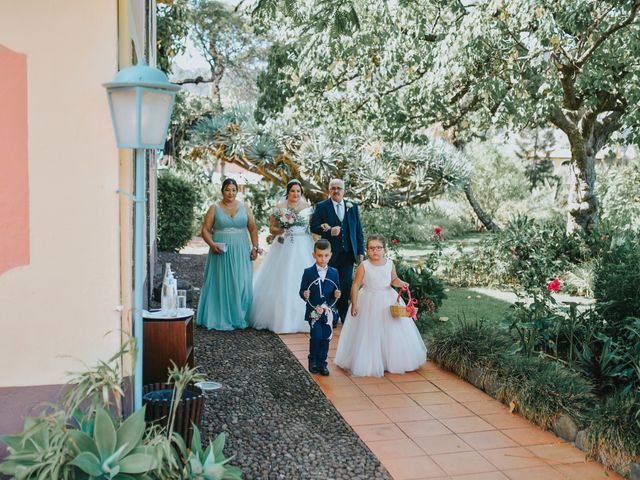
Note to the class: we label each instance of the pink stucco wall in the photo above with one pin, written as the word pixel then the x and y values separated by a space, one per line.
pixel 14 168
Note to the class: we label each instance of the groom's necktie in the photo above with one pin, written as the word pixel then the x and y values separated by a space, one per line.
pixel 339 211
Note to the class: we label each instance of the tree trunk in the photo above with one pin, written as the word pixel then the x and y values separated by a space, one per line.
pixel 217 71
pixel 582 204
pixel 216 76
pixel 483 216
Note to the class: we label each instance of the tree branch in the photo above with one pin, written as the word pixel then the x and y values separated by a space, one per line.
pixel 608 33
pixel 567 80
pixel 603 130
pixel 560 120
pixel 195 81
pixel 391 90
pixel 591 29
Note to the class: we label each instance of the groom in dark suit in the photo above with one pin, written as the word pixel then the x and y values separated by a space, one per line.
pixel 338 220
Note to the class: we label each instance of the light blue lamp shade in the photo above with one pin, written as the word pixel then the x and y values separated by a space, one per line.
pixel 141 101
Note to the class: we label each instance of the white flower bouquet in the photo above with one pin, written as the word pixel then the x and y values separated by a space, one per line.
pixel 287 218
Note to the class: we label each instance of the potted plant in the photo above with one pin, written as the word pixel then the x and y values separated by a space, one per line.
pixel 177 405
pixel 86 436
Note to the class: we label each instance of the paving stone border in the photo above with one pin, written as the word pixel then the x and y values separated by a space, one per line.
pixel 564 426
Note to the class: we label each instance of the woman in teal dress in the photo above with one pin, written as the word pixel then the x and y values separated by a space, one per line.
pixel 226 293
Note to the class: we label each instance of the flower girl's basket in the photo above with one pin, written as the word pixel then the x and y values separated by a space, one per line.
pixel 409 310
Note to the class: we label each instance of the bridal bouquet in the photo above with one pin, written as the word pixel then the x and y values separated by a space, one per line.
pixel 287 218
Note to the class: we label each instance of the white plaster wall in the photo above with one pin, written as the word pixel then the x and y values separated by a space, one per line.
pixel 56 311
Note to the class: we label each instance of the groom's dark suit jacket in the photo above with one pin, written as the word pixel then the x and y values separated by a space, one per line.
pixel 351 238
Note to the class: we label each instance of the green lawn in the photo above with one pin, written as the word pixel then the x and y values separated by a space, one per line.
pixel 461 304
pixel 467 242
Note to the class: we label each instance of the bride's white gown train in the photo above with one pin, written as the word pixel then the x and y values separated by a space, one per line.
pixel 276 304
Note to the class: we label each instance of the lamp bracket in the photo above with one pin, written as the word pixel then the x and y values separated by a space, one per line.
pixel 132 197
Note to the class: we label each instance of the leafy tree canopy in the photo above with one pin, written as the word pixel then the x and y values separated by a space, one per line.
pixel 404 65
pixel 408 64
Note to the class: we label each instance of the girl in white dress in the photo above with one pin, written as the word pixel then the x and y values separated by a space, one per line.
pixel 276 304
pixel 372 340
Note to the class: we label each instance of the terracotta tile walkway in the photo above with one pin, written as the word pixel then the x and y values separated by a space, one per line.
pixel 430 424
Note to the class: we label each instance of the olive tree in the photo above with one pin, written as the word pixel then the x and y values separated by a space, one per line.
pixel 467 66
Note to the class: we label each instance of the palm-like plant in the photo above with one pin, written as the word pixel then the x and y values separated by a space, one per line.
pixel 378 173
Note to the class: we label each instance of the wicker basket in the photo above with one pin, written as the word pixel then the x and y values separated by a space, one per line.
pixel 398 310
pixel 409 310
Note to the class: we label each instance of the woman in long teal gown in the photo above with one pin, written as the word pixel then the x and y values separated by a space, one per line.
pixel 225 299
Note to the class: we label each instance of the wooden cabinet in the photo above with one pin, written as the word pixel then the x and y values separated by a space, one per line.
pixel 166 340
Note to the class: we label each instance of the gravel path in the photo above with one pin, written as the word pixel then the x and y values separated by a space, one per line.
pixel 279 424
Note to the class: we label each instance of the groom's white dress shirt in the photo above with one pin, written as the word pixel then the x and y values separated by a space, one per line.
pixel 339 208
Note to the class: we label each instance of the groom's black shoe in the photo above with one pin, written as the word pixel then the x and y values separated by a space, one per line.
pixel 314 370
pixel 323 371
pixel 335 324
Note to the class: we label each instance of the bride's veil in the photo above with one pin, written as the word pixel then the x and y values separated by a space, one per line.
pixel 283 202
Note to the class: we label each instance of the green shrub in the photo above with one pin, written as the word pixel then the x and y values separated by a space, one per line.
pixel 617 281
pixel 539 388
pixel 579 279
pixel 262 197
pixel 542 389
pixel 524 254
pixel 483 267
pixel 538 251
pixel 612 362
pixel 470 344
pixel 613 436
pixel 617 189
pixel 412 224
pixel 424 286
pixel 199 176
pixel 176 203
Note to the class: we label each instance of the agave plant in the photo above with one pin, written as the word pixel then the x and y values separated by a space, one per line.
pixel 41 451
pixel 68 443
pixel 209 464
pixel 114 454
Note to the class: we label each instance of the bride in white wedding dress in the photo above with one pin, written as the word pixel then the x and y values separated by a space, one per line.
pixel 276 304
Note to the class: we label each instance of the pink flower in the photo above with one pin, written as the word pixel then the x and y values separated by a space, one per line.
pixel 437 230
pixel 394 241
pixel 554 285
